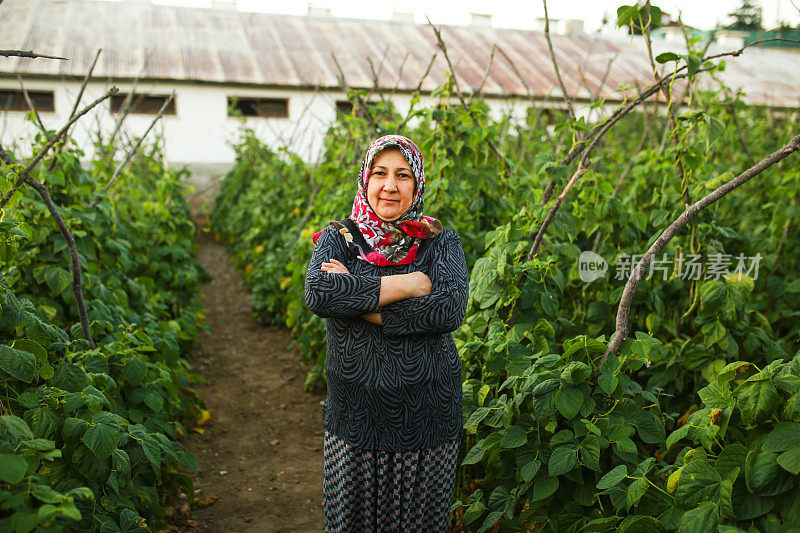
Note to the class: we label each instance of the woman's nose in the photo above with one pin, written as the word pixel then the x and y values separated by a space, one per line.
pixel 391 182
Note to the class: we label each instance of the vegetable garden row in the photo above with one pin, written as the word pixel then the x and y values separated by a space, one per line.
pixel 693 422
pixel 91 429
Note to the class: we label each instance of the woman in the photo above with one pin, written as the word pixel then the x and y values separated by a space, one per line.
pixel 393 285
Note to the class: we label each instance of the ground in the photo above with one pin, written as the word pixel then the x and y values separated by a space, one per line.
pixel 261 451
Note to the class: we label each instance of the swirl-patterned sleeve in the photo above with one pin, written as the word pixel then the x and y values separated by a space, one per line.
pixel 441 311
pixel 338 295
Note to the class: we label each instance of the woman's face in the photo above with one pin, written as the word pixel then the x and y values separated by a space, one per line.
pixel 390 189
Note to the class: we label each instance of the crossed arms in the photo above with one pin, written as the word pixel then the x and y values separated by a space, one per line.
pixel 402 303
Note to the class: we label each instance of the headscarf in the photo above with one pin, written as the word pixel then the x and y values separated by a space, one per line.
pixel 396 242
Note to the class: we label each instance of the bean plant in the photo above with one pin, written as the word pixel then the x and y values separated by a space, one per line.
pixel 692 423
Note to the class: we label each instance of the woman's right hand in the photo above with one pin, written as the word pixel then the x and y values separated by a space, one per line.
pixel 401 286
pixel 419 284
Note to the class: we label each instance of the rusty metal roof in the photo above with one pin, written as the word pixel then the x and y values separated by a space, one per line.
pixel 161 42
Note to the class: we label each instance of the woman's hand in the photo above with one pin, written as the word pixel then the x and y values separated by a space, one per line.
pixel 419 284
pixel 375 318
pixel 401 286
pixel 334 267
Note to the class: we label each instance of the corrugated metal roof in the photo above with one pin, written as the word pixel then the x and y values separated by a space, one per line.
pixel 227 46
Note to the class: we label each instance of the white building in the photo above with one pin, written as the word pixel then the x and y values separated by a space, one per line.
pixel 284 72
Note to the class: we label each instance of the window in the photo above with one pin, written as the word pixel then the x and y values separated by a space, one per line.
pixel 258 107
pixel 345 108
pixel 14 100
pixel 142 104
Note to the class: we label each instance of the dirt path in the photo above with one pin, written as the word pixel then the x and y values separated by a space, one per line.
pixel 260 453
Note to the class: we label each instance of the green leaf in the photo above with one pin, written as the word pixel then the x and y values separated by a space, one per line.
pixel 528 462
pixel 729 372
pixel 758 400
pixel 786 435
pixel 639 524
pixel 12 468
pixel 474 455
pixel 73 428
pixel 42 445
pixel 575 373
pixel 549 303
pixel 95 399
pixel 46 494
pixel 154 401
pixel 543 486
pixel 698 482
pixel 608 382
pixel 626 14
pixel 693 63
pixel 667 56
pixel 716 396
pixel 129 520
pixel 649 426
pixel 712 294
pixel 17 363
pixel 733 456
pixel 43 422
pixel 134 371
pixel 747 505
pixel 152 450
pixel 790 460
pixel 121 462
pixel 612 478
pixel 625 445
pixel 562 460
pixel 701 519
pixel 569 402
pixel 514 437
pixel 713 332
pixel 57 279
pixel 33 347
pixel 635 491
pixel 477 415
pixel 763 475
pixel 101 439
pixel 17 427
pixel 473 512
pixel 677 435
pixel 590 452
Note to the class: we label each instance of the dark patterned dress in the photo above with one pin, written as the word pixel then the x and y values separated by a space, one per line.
pixel 393 415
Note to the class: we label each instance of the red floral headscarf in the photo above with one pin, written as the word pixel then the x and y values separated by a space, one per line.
pixel 396 242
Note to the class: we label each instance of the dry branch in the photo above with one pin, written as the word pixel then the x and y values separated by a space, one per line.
pixel 477 91
pixel 29 54
pixel 136 146
pixel 464 104
pixel 75 105
pixel 671 120
pixel 85 81
pixel 623 312
pixel 570 109
pixel 38 157
pixel 30 105
pixel 75 266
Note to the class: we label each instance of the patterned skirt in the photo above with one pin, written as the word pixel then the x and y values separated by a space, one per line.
pixel 376 490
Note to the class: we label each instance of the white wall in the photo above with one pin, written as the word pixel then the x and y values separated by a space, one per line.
pixel 201 134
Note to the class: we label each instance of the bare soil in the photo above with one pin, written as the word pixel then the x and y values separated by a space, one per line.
pixel 261 452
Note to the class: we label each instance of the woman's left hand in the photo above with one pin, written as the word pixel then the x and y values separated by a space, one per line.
pixel 375 318
pixel 334 267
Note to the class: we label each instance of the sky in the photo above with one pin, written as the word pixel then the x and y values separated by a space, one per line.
pixel 703 14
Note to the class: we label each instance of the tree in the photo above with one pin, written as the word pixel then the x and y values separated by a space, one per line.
pixel 746 17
